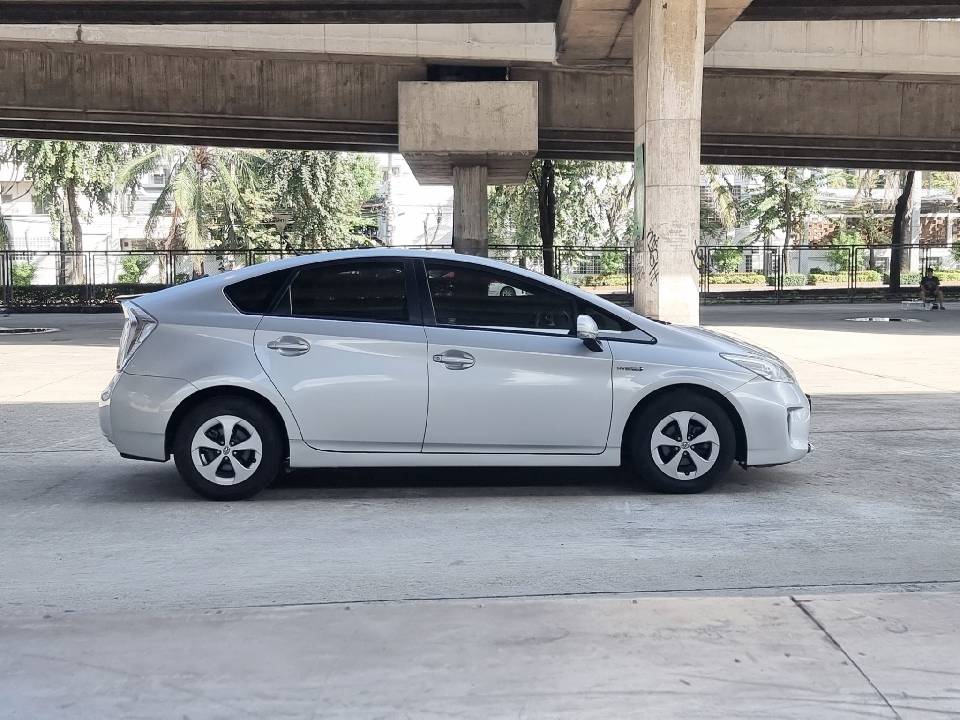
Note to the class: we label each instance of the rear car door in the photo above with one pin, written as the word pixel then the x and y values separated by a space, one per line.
pixel 347 350
pixel 507 372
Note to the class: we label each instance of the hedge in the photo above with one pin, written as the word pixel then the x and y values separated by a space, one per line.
pixel 862 276
pixel 60 296
pixel 601 280
pixel 736 279
pixel 789 280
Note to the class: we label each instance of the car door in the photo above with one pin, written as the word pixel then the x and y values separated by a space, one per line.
pixel 507 373
pixel 347 350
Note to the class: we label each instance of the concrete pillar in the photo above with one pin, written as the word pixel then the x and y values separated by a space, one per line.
pixel 668 82
pixel 470 210
pixel 470 134
pixel 916 198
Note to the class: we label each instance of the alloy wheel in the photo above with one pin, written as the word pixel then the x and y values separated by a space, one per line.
pixel 685 445
pixel 226 450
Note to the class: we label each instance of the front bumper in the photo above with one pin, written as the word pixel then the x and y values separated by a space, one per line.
pixel 776 420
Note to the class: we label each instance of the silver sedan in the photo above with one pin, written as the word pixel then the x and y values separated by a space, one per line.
pixel 394 358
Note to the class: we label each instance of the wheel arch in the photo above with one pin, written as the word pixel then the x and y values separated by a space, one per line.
pixel 740 453
pixel 192 401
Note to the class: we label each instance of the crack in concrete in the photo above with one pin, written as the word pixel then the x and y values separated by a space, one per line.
pixel 839 647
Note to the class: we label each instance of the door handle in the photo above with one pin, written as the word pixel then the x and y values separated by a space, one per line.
pixel 455 360
pixel 289 345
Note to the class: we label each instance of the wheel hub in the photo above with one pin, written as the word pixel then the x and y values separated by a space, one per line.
pixel 685 445
pixel 226 450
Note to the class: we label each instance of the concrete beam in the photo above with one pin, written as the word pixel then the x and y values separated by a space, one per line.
pixel 475 42
pixel 850 10
pixel 896 47
pixel 231 99
pixel 446 125
pixel 782 118
pixel 278 11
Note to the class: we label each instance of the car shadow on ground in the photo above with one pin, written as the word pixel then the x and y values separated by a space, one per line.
pixel 485 482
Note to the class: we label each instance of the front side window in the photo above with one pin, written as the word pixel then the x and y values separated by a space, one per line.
pixel 481 298
pixel 372 291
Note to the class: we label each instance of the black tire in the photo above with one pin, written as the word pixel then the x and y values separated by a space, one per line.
pixel 251 416
pixel 508 291
pixel 705 465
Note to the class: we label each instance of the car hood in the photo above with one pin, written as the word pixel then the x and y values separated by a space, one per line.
pixel 726 344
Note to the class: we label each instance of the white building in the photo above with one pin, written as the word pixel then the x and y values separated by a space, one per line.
pixel 411 213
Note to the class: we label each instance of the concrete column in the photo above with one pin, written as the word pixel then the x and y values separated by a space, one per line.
pixel 916 198
pixel 470 210
pixel 668 82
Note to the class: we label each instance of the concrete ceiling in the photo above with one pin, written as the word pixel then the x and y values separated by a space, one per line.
pixel 850 10
pixel 600 32
pixel 277 11
pixel 602 18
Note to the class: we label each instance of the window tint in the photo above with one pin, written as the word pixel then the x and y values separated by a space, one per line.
pixel 255 295
pixel 356 291
pixel 476 297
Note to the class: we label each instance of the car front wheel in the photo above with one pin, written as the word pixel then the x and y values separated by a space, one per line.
pixel 682 443
pixel 228 448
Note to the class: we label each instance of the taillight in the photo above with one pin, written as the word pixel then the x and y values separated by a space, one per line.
pixel 138 325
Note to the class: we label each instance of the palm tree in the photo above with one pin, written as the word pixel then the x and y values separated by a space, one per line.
pixel 203 194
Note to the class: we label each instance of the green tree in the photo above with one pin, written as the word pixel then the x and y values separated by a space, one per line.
pixel 786 198
pixel 324 192
pixel 63 172
pixel 226 198
pixel 563 203
pixel 203 194
pixel 723 211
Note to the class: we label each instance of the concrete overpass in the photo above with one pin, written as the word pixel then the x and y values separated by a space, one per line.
pixel 240 97
pixel 434 11
pixel 617 79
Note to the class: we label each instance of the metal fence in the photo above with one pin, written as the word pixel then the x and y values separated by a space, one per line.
pixel 838 271
pixel 47 279
pixel 50 279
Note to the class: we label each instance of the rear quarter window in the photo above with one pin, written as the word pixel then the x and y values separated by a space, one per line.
pixel 255 295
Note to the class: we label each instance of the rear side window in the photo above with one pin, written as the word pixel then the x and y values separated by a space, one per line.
pixel 255 295
pixel 373 291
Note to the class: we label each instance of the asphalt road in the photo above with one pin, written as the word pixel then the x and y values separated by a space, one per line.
pixel 876 506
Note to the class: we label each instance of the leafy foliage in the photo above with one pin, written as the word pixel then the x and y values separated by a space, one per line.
pixel 228 198
pixel 786 198
pixel 23 273
pixel 134 268
pixel 726 259
pixel 325 192
pixel 594 203
pixel 63 171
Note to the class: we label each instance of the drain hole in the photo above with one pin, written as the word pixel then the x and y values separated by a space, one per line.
pixel 26 331
pixel 884 319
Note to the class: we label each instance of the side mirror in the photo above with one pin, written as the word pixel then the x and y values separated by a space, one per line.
pixel 587 331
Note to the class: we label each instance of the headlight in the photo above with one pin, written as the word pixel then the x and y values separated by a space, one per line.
pixel 767 368
pixel 138 326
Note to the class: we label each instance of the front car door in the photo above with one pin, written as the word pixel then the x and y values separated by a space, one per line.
pixel 347 350
pixel 507 373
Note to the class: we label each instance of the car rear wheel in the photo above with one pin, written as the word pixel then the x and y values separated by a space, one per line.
pixel 682 443
pixel 228 448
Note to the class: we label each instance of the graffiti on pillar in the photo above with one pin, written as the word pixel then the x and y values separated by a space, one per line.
pixel 653 257
pixel 639 212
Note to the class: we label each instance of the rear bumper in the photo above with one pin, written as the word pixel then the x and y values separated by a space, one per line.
pixel 135 412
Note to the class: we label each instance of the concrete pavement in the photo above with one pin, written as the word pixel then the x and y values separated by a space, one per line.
pixel 843 656
pixel 131 568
